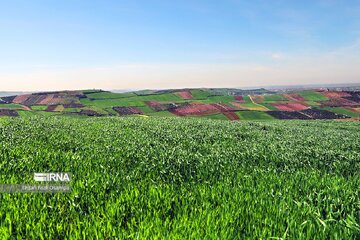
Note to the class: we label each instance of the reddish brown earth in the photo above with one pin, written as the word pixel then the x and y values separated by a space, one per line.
pixel 357 110
pixel 237 105
pixel 9 113
pixel 21 98
pixel 333 94
pixel 33 100
pixel 47 100
pixel 153 104
pixel 195 110
pixel 163 106
pixel 289 106
pixel 51 108
pixel 224 108
pixel 239 99
pixel 339 102
pixel 294 97
pixel 127 110
pixel 186 95
pixel 231 115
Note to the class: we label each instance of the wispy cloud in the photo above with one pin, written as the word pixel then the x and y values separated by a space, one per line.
pixel 277 56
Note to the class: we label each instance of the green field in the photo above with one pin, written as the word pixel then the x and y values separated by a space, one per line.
pixel 23 113
pixel 253 115
pixel 199 94
pixel 72 110
pixel 182 178
pixel 161 114
pixel 109 95
pixel 343 111
pixel 312 96
pixel 218 116
pixel 39 107
pixel 131 101
pixel 220 99
pixel 247 99
pixel 269 106
pixel 253 106
pixel 10 106
pixel 274 98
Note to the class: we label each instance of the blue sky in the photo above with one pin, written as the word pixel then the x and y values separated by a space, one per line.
pixel 159 44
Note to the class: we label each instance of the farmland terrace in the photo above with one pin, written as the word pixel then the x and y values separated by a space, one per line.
pixel 220 103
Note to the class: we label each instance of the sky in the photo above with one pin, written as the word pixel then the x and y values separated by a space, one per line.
pixel 115 44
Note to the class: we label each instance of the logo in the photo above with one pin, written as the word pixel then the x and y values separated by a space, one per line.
pixel 52 177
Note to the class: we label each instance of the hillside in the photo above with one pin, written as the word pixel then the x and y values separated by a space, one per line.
pixel 219 103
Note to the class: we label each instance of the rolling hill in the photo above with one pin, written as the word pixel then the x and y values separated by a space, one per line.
pixel 218 103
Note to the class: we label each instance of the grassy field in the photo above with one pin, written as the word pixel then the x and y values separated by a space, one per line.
pixel 162 114
pixel 269 106
pixel 109 95
pixel 247 99
pixel 218 116
pixel 274 98
pixel 10 106
pixel 130 101
pixel 36 113
pixel 39 107
pixel 253 115
pixel 344 111
pixel 72 110
pixel 312 96
pixel 254 107
pixel 177 178
pixel 199 94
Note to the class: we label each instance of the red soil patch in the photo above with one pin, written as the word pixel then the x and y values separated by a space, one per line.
pixel 21 98
pixel 224 108
pixel 58 99
pixel 195 110
pixel 339 102
pixel 294 97
pixel 334 94
pixel 161 106
pixel 152 104
pixel 237 105
pixel 33 100
pixel 186 95
pixel 290 106
pixel 239 99
pixel 356 110
pixel 127 110
pixel 47 100
pixel 9 113
pixel 51 108
pixel 231 115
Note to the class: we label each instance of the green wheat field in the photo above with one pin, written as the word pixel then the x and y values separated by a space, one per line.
pixel 182 178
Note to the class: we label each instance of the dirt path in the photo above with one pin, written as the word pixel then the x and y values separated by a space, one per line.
pixel 26 108
pixel 257 103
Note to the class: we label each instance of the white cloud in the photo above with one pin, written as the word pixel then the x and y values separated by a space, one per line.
pixel 277 56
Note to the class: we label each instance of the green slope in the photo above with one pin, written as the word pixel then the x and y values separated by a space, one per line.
pixel 312 96
pixel 254 115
